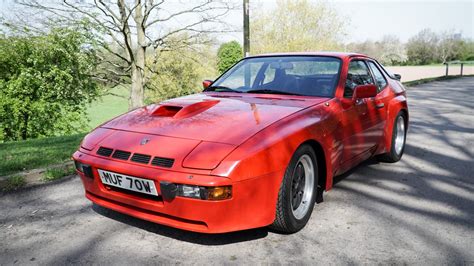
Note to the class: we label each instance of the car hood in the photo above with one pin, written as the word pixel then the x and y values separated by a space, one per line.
pixel 228 118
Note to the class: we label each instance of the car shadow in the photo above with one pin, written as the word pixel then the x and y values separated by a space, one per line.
pixel 182 235
pixel 341 177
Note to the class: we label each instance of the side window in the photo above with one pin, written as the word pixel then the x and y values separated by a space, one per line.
pixel 358 74
pixel 379 78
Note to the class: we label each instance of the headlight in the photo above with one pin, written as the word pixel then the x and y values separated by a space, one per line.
pixel 169 191
pixel 204 193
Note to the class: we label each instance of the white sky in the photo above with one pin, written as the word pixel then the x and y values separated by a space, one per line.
pixel 374 18
pixel 371 19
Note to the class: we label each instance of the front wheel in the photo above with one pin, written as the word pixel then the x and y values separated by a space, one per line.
pixel 297 193
pixel 399 134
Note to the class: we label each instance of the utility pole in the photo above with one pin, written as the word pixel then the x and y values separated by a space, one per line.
pixel 246 29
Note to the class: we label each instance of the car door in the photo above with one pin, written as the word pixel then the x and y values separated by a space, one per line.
pixel 358 126
pixel 377 107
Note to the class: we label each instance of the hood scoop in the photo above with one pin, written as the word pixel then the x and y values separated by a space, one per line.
pixel 182 110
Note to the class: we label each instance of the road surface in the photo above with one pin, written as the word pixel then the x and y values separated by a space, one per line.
pixel 420 210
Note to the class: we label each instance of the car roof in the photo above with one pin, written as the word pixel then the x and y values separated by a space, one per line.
pixel 333 54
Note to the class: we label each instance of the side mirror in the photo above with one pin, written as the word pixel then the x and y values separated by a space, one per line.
pixel 398 76
pixel 206 83
pixel 365 91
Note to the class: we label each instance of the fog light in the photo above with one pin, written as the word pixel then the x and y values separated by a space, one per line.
pixel 78 166
pixel 84 168
pixel 204 193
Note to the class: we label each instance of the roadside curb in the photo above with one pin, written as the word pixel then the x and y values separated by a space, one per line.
pixel 34 177
pixel 30 186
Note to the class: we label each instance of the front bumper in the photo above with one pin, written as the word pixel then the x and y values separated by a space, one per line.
pixel 252 204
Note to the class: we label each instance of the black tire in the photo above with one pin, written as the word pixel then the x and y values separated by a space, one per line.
pixel 285 220
pixel 392 156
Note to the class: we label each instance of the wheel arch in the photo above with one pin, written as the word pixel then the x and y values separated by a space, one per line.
pixel 397 105
pixel 321 161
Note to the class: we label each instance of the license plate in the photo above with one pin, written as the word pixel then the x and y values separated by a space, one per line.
pixel 132 183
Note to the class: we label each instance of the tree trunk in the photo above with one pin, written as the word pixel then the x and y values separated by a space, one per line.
pixel 136 92
pixel 138 65
pixel 24 131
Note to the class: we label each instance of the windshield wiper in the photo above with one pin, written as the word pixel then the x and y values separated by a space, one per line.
pixel 272 92
pixel 222 89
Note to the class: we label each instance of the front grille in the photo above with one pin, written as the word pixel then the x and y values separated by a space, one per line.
pixel 103 151
pixel 141 158
pixel 163 162
pixel 122 155
pixel 137 157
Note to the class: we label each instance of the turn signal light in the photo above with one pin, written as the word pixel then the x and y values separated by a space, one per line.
pixel 218 193
pixel 204 193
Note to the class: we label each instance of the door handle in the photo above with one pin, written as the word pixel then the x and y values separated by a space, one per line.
pixel 380 105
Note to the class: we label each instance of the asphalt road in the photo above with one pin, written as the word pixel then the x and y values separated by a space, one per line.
pixel 418 211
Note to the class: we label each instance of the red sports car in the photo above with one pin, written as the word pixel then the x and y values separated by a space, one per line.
pixel 257 147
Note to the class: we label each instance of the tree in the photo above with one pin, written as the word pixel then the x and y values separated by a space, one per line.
pixel 228 54
pixel 467 50
pixel 45 84
pixel 296 25
pixel 389 50
pixel 422 48
pixel 450 46
pixel 180 72
pixel 137 31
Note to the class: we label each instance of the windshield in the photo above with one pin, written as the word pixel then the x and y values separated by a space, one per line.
pixel 297 75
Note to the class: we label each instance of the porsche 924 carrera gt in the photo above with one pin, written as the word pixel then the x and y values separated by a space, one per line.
pixel 256 148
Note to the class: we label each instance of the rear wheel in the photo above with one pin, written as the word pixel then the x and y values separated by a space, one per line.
pixel 297 193
pixel 398 141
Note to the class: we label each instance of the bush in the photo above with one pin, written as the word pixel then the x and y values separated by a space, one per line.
pixel 45 83
pixel 227 55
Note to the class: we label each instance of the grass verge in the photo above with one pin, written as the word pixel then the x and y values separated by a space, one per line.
pixel 52 174
pixel 426 80
pixel 13 183
pixel 18 156
pixel 108 106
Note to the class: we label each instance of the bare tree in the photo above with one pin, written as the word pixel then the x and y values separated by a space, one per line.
pixel 136 31
pixel 296 25
pixel 450 46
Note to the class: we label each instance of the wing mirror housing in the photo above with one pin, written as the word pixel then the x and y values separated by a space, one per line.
pixel 365 91
pixel 206 83
pixel 398 76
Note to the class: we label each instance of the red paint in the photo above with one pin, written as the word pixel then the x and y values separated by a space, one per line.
pixel 365 91
pixel 243 140
pixel 206 83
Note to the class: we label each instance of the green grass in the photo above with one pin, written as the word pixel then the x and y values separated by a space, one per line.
pixel 426 80
pixel 435 65
pixel 13 183
pixel 56 173
pixel 108 107
pixel 17 156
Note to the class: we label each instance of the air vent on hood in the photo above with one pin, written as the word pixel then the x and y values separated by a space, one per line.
pixel 167 110
pixel 103 151
pixel 122 155
pixel 178 110
pixel 163 162
pixel 140 158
